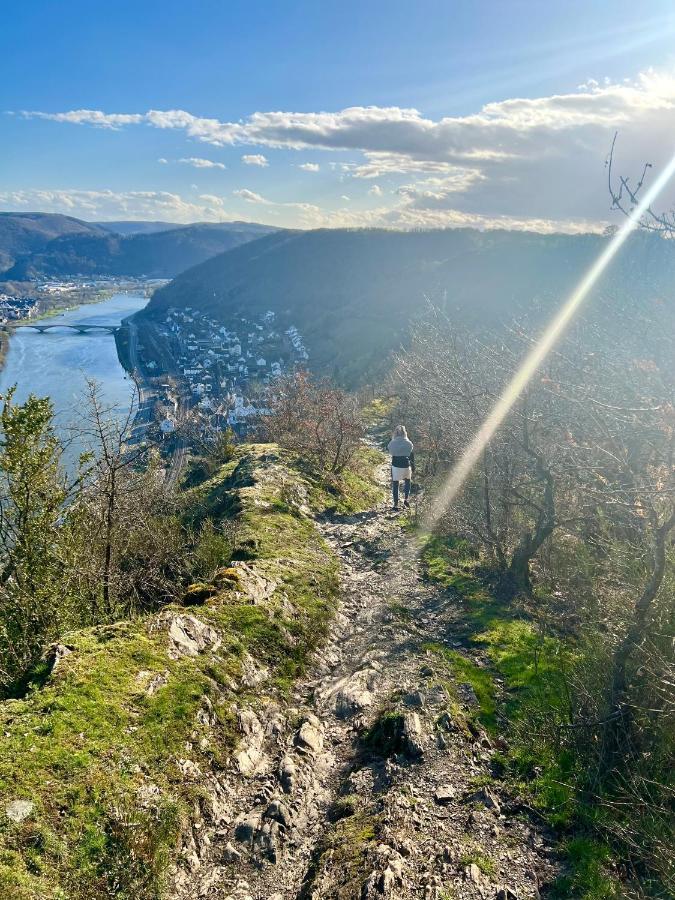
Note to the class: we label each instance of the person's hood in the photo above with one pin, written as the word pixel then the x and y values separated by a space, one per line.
pixel 400 446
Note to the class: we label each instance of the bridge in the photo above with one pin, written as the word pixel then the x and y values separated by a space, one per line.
pixel 81 328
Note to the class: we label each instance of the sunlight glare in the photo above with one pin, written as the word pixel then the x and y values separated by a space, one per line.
pixel 539 352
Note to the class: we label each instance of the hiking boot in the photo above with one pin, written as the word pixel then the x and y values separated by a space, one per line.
pixel 406 504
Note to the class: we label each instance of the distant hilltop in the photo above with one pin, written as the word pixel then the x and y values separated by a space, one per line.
pixel 354 293
pixel 39 245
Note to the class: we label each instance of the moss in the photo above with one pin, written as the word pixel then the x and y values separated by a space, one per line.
pixel 588 876
pixel 479 858
pixel 464 671
pixel 84 745
pixel 346 846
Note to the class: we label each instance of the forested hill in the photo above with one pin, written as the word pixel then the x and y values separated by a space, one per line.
pixel 157 254
pixel 353 293
pixel 25 233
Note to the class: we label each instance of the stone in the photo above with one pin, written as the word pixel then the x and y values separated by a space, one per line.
pixel 467 695
pixel 416 699
pixel 506 893
pixel 445 794
pixel 310 737
pixel 287 773
pixel 231 854
pixel 488 799
pixel 473 873
pixel 279 811
pixel 188 636
pixel 248 760
pixel 55 655
pixel 19 810
pixel 250 582
pixel 246 828
pixel 412 732
pixel 355 696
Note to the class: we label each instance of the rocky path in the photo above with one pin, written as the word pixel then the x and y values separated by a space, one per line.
pixel 376 782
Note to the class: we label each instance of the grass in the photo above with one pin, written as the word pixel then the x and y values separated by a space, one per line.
pixel 85 746
pixel 477 857
pixel 527 704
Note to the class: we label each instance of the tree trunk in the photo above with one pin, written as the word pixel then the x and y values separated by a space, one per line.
pixel 519 579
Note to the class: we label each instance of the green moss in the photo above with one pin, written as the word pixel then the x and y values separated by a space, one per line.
pixel 82 747
pixel 345 846
pixel 464 670
pixel 479 858
pixel 589 876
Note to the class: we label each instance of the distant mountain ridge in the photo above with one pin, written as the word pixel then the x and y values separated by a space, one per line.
pixel 353 293
pixel 25 233
pixel 71 247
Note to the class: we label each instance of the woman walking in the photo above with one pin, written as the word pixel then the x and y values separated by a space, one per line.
pixel 402 463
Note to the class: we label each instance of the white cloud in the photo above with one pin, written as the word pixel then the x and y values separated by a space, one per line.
pixel 254 159
pixel 309 167
pixel 163 161
pixel 106 204
pixel 249 196
pixel 344 197
pixel 375 191
pixel 198 162
pixel 528 162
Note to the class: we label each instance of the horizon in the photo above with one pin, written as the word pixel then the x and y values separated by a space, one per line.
pixel 302 118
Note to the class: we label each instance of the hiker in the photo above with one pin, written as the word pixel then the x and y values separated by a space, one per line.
pixel 402 463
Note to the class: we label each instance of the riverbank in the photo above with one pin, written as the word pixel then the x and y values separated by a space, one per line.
pixel 57 363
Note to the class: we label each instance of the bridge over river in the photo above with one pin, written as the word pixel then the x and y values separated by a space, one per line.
pixel 82 328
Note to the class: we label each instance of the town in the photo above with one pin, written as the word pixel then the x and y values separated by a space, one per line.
pixel 215 376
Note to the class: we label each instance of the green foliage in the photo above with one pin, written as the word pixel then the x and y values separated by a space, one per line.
pixel 32 497
pixel 98 753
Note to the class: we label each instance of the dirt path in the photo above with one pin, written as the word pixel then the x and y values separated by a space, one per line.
pixel 341 801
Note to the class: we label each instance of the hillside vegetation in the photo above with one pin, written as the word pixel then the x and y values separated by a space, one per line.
pixel 354 293
pixel 25 233
pixel 160 254
pixel 110 761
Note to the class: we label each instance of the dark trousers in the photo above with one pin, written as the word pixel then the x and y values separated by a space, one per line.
pixel 406 490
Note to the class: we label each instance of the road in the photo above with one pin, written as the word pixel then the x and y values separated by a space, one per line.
pixel 146 398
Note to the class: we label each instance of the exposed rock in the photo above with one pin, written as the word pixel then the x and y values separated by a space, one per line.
pixel 445 794
pixel 506 893
pixel 257 587
pixel 188 636
pixel 310 735
pixel 355 696
pixel 248 760
pixel 287 773
pixel 55 654
pixel 412 732
pixel 18 810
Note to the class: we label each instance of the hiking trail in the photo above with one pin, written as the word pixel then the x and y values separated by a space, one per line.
pixel 373 784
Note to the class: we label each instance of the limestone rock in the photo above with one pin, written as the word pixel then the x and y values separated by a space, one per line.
pixel 445 794
pixel 412 732
pixel 188 636
pixel 310 735
pixel 18 810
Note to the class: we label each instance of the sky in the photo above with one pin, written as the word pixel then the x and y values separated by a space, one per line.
pixel 486 113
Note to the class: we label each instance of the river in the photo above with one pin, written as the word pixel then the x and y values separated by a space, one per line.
pixel 56 363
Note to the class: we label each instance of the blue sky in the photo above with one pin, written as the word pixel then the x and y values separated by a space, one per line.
pixel 309 114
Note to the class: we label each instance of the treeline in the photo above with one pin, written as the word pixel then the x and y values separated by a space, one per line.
pixel 571 506
pixel 104 543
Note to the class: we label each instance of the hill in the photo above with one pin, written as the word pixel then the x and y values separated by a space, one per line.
pixel 354 293
pixel 159 254
pixel 25 233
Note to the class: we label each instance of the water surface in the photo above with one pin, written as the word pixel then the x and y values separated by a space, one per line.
pixel 56 363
